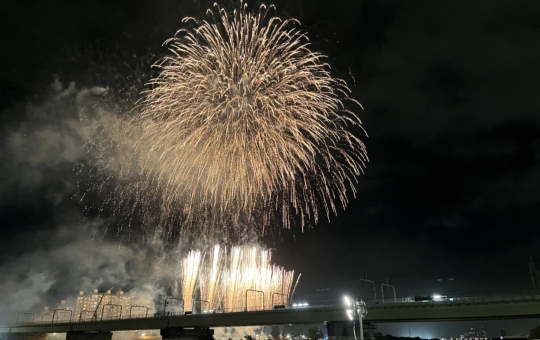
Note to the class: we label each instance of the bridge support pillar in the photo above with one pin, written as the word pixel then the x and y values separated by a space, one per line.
pixel 276 330
pixel 181 333
pixel 23 336
pixel 344 329
pixel 89 335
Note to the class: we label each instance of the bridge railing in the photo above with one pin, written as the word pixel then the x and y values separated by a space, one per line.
pixel 249 309
pixel 513 296
pixel 502 297
pixel 61 322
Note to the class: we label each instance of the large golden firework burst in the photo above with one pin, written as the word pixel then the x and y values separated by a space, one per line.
pixel 245 124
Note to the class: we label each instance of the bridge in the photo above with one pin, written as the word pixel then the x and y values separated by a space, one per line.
pixel 198 326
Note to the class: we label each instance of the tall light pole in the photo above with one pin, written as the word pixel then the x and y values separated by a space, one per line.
pixel 284 295
pixel 26 313
pixel 255 291
pixel 42 315
pixel 62 310
pixel 200 305
pixel 389 286
pixel 172 298
pixel 135 306
pixel 109 306
pixel 358 309
pixel 374 290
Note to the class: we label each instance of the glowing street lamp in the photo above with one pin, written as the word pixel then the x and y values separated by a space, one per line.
pixel 356 308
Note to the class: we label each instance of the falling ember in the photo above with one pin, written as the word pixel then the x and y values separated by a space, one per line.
pixel 242 279
pixel 244 125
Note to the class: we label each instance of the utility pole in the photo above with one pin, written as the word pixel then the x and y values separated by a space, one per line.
pixel 361 310
pixel 358 309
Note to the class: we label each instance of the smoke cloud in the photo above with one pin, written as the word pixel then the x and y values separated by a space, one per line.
pixel 65 248
pixel 60 252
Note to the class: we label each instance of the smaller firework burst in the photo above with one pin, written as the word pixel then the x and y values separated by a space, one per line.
pixel 241 279
pixel 190 269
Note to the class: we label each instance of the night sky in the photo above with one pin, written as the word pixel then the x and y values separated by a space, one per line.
pixel 449 202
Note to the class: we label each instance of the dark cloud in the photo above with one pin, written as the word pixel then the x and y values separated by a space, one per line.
pixel 451 109
pixel 49 250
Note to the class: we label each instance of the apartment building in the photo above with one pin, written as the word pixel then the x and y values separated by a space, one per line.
pixel 103 305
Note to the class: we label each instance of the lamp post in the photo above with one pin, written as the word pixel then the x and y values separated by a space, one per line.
pixel 172 298
pixel 200 305
pixel 108 306
pixel 358 309
pixel 389 286
pixel 63 311
pixel 281 294
pixel 85 311
pixel 138 307
pixel 374 290
pixel 42 315
pixel 255 291
pixel 26 313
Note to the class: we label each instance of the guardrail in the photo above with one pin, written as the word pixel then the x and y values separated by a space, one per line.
pixel 250 309
pixel 508 297
pixel 515 296
pixel 85 320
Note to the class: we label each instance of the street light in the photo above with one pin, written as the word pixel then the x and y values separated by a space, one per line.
pixel 172 298
pixel 109 306
pixel 42 315
pixel 138 307
pixel 200 305
pixel 389 286
pixel 25 313
pixel 374 290
pixel 357 308
pixel 62 310
pixel 85 311
pixel 254 291
pixel 283 295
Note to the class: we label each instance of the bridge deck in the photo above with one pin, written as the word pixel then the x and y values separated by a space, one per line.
pixel 393 312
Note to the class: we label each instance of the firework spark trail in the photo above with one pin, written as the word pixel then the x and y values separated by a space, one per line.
pixel 244 124
pixel 210 278
pixel 190 273
pixel 243 272
pixel 233 280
